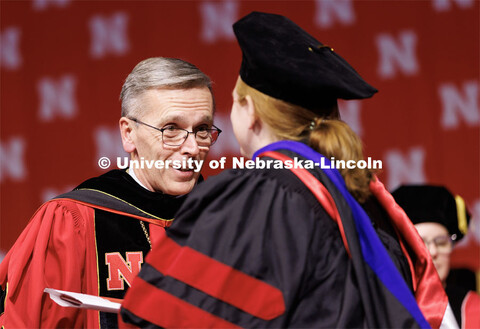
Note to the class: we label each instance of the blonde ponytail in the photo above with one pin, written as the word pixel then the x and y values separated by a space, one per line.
pixel 334 138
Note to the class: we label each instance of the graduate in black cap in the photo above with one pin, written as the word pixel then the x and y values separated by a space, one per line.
pixel 292 247
pixel 440 222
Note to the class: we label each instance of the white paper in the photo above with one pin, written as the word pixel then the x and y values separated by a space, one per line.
pixel 77 300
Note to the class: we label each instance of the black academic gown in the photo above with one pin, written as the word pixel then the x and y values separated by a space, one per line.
pixel 267 225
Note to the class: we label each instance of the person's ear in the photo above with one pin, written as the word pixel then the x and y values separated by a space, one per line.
pixel 126 131
pixel 251 114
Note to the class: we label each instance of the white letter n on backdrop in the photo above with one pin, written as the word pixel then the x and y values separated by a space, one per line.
pixel 329 11
pixel 57 97
pixel 397 54
pixel 405 169
pixel 217 20
pixel 109 35
pixel 12 163
pixel 108 142
pixel 10 48
pixel 459 104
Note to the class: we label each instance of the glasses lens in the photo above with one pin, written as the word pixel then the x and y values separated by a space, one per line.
pixel 443 243
pixel 173 136
pixel 203 136
pixel 214 135
pixel 206 137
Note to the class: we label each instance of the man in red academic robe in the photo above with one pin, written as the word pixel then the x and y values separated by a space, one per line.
pixel 94 239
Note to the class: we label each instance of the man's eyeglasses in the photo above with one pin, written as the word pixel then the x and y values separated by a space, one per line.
pixel 173 136
pixel 443 243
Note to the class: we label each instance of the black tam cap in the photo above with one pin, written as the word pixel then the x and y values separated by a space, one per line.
pixel 427 203
pixel 281 60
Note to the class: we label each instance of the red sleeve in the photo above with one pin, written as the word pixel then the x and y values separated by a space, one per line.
pixel 471 311
pixel 50 252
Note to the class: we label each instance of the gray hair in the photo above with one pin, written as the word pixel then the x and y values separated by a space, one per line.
pixel 160 72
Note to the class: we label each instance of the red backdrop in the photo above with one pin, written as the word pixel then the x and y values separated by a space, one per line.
pixel 63 64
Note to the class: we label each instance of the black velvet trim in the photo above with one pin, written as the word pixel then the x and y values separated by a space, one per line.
pixel 121 185
pixel 456 295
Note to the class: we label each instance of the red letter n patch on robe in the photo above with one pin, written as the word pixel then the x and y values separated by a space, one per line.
pixel 120 270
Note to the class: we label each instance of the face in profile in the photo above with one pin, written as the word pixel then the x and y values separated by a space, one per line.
pixel 439 244
pixel 242 118
pixel 238 121
pixel 169 109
